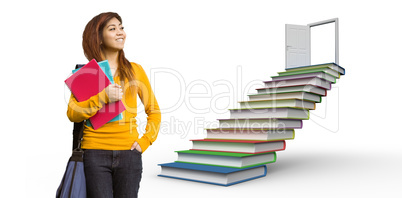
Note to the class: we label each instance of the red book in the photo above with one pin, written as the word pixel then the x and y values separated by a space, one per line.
pixel 89 81
pixel 238 146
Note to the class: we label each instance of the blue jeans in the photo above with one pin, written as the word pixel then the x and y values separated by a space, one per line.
pixel 111 174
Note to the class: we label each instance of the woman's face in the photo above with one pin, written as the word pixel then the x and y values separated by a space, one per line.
pixel 114 35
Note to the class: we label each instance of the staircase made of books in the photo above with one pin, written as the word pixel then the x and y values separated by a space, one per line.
pixel 241 147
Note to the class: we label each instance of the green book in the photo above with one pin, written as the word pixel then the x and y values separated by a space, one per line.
pixel 225 159
pixel 271 112
pixel 328 71
pixel 278 103
pixel 250 134
pixel 332 66
pixel 294 75
pixel 306 88
pixel 302 95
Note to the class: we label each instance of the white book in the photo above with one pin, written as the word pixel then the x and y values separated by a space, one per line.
pixel 315 81
pixel 251 134
pixel 283 112
pixel 332 66
pixel 293 95
pixel 226 159
pixel 211 174
pixel 238 146
pixel 330 71
pixel 278 103
pixel 306 88
pixel 322 75
pixel 260 123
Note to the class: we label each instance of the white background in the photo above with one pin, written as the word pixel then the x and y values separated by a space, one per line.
pixel 351 148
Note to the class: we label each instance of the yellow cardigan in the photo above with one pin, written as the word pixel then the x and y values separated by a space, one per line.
pixel 119 135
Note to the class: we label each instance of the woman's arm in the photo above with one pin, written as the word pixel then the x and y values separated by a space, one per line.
pixel 151 109
pixel 80 111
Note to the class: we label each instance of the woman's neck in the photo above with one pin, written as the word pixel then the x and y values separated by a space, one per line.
pixel 113 58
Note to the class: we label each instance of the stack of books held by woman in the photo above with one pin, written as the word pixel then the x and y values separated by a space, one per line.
pixel 88 81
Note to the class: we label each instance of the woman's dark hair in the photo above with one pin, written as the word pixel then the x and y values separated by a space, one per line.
pixel 92 40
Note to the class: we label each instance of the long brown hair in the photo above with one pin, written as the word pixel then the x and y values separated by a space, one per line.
pixel 91 43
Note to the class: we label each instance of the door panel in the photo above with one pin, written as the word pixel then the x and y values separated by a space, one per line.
pixel 297 45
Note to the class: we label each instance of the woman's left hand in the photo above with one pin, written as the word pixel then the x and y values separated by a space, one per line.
pixel 137 147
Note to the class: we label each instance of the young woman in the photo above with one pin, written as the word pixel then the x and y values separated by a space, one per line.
pixel 112 153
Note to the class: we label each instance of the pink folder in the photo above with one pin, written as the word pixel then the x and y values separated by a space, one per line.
pixel 89 81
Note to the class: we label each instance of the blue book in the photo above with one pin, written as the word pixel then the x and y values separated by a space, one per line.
pixel 104 65
pixel 217 175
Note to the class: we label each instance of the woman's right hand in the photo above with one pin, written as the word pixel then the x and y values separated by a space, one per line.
pixel 114 92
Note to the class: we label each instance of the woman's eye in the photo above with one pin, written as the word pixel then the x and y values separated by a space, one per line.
pixel 111 29
pixel 122 28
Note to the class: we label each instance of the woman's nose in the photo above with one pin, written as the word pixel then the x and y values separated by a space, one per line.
pixel 119 32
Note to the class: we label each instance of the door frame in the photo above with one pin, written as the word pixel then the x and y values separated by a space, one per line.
pixel 336 21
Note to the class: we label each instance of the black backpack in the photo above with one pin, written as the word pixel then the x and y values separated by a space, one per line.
pixel 73 182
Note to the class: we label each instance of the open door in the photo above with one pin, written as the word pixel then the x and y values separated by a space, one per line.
pixel 297 45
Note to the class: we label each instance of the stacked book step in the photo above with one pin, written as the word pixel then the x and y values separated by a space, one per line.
pixel 241 147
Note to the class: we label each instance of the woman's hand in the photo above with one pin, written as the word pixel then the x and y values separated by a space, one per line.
pixel 137 147
pixel 114 92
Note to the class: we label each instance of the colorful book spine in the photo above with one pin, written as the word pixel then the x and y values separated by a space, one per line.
pixel 225 159
pixel 246 142
pixel 216 175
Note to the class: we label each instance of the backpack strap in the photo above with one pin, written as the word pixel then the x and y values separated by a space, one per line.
pixel 77 134
pixel 78 129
